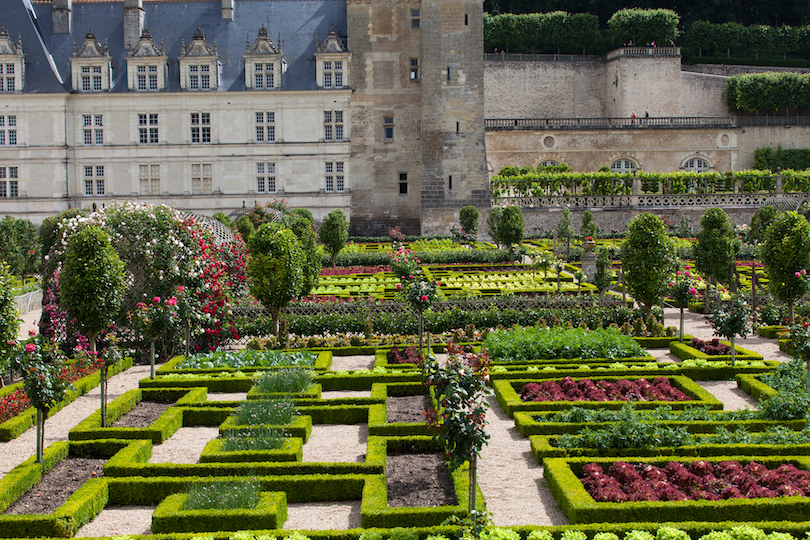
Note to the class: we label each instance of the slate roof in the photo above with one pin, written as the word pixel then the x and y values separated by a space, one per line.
pixel 298 22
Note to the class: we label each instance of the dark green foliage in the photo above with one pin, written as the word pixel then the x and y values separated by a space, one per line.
pixel 510 227
pixel 334 232
pixel 245 227
pixel 588 227
pixel 780 158
pixel 19 246
pixel 493 222
pixel 305 232
pixel 49 229
pixel 643 26
pixel 772 91
pixel 785 251
pixel 468 218
pixel 716 245
pixel 648 259
pixel 91 282
pixel 276 267
pixel 556 32
pixel 602 278
pixel 763 217
pixel 224 219
pixel 305 213
pixel 9 319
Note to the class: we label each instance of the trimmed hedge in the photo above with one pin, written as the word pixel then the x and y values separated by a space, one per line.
pixel 170 516
pixel 16 426
pixel 509 399
pixel 322 363
pixel 301 426
pixel 378 414
pixel 374 510
pixel 579 507
pixel 214 452
pixel 686 352
pixel 158 432
pixel 771 332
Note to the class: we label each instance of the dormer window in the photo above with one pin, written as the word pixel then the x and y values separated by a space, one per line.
pixel 264 63
pixel 12 64
pixel 332 63
pixel 91 66
pixel 199 65
pixel 146 66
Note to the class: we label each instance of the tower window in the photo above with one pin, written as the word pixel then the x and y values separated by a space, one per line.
pixel 388 128
pixel 414 18
pixel 403 183
pixel 414 69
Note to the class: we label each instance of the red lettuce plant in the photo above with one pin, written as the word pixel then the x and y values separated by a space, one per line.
pixel 567 389
pixel 712 347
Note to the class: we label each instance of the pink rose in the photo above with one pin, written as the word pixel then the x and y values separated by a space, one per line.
pixel 687 267
pixel 30 347
pixel 693 291
pixel 671 284
pixel 399 286
pixel 796 274
pixel 172 301
pixel 424 298
pixel 32 332
pixel 156 300
pixel 804 272
pixel 181 288
pixel 678 273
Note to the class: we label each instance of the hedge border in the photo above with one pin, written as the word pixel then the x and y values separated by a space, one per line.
pixel 374 510
pixel 214 452
pixel 158 432
pixel 687 352
pixel 17 425
pixel 579 507
pixel 510 401
pixel 323 363
pixel 300 426
pixel 378 413
pixel 170 516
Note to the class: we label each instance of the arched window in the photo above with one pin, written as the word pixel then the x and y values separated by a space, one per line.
pixel 548 163
pixel 696 165
pixel 622 166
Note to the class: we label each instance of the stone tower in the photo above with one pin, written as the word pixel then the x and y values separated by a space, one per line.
pixel 417 115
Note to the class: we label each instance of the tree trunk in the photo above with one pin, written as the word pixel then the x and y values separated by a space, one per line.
pixel 274 312
pixel 152 359
pixel 733 351
pixel 421 331
pixel 473 485
pixel 40 438
pixel 681 332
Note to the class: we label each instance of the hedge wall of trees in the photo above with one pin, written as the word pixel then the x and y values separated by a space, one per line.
pixel 772 159
pixel 761 92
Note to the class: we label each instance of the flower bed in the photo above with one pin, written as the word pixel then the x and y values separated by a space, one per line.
pixel 698 480
pixel 567 389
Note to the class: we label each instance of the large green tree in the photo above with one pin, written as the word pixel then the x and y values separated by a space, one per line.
pixel 716 245
pixel 760 221
pixel 91 286
pixel 334 232
pixel 642 26
pixel 785 253
pixel 303 228
pixel 648 259
pixel 276 267
pixel 510 229
pixel 9 319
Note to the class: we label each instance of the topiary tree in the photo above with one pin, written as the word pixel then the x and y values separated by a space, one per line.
pixel 91 285
pixel 785 253
pixel 588 227
pixel 716 246
pixel 334 232
pixel 245 227
pixel 510 228
pixel 565 229
pixel 644 26
pixel 648 259
pixel 731 320
pixel 763 217
pixel 9 320
pixel 493 220
pixel 602 277
pixel 468 218
pixel 304 230
pixel 276 267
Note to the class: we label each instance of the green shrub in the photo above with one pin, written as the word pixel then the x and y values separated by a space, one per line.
pixel 542 534
pixel 272 411
pixel 254 439
pixel 401 533
pixel 294 380
pixel 671 533
pixel 534 343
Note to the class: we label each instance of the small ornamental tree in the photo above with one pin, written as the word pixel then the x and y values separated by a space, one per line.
pixel 682 289
pixel 91 285
pixel 304 230
pixel 460 388
pixel 565 229
pixel 648 259
pixel 276 268
pixel 785 253
pixel 511 228
pixel 40 362
pixel 420 293
pixel 800 340
pixel 602 277
pixel 468 218
pixel 763 217
pixel 334 232
pixel 588 227
pixel 493 222
pixel 9 320
pixel 731 320
pixel 716 246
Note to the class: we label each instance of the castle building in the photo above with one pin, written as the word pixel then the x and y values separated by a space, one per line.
pixel 371 106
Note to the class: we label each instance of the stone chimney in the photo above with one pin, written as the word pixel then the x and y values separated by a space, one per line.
pixel 227 10
pixel 60 16
pixel 133 23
